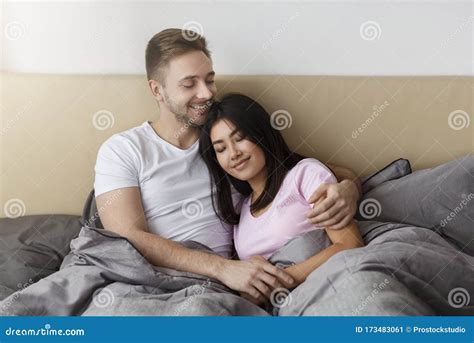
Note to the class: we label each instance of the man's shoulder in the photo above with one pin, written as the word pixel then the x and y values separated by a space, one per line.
pixel 133 136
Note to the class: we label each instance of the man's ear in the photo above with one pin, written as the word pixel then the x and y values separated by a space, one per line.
pixel 156 89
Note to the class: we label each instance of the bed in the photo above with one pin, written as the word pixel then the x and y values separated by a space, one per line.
pixel 416 215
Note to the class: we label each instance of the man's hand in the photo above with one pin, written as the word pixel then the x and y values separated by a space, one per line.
pixel 334 204
pixel 254 278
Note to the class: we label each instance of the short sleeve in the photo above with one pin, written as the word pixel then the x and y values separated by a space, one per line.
pixel 310 174
pixel 117 165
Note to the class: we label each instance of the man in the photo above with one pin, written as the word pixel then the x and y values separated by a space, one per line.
pixel 153 188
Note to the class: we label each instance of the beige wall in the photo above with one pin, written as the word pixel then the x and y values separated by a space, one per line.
pixel 49 142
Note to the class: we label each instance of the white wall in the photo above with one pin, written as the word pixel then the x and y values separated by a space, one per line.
pixel 304 37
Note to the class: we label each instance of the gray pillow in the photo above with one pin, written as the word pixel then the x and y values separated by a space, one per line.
pixel 32 247
pixel 393 171
pixel 440 198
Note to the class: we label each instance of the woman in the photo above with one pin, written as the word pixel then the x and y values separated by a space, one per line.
pixel 243 150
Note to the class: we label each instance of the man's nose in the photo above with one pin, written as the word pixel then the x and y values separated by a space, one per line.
pixel 204 92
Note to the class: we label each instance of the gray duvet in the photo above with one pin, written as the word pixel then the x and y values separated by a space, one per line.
pixel 403 270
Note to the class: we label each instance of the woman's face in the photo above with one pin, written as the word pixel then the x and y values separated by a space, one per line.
pixel 238 156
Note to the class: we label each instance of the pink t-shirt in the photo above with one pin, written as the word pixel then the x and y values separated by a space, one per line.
pixel 286 217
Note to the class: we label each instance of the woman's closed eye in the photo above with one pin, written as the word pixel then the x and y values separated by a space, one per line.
pixel 219 150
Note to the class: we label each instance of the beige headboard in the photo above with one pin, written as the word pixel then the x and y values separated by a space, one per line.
pixel 49 139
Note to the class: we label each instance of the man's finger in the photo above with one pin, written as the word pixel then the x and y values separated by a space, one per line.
pixel 280 274
pixel 335 222
pixel 271 281
pixel 320 192
pixel 262 288
pixel 328 215
pixel 343 223
pixel 320 208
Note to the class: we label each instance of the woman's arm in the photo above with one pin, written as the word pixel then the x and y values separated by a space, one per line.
pixel 346 238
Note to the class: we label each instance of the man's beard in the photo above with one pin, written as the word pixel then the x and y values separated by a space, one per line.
pixel 181 113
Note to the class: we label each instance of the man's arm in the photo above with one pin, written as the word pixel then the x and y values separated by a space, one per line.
pixel 335 204
pixel 121 211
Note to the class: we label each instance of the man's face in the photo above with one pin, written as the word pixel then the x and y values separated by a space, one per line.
pixel 188 89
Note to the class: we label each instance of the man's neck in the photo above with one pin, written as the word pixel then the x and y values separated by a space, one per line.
pixel 176 133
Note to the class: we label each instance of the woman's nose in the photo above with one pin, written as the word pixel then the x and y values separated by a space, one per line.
pixel 235 153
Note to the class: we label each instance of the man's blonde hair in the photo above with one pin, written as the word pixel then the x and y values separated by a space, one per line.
pixel 168 44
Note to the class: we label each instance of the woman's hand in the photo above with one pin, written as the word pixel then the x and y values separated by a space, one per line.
pixel 334 204
pixel 255 277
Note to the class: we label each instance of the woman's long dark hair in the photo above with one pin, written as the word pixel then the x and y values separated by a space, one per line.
pixel 251 119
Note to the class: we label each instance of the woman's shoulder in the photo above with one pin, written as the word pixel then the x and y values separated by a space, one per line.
pixel 309 173
pixel 310 164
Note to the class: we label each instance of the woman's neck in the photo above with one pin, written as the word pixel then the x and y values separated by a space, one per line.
pixel 257 183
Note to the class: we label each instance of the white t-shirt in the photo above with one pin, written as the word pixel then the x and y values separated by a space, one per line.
pixel 174 183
